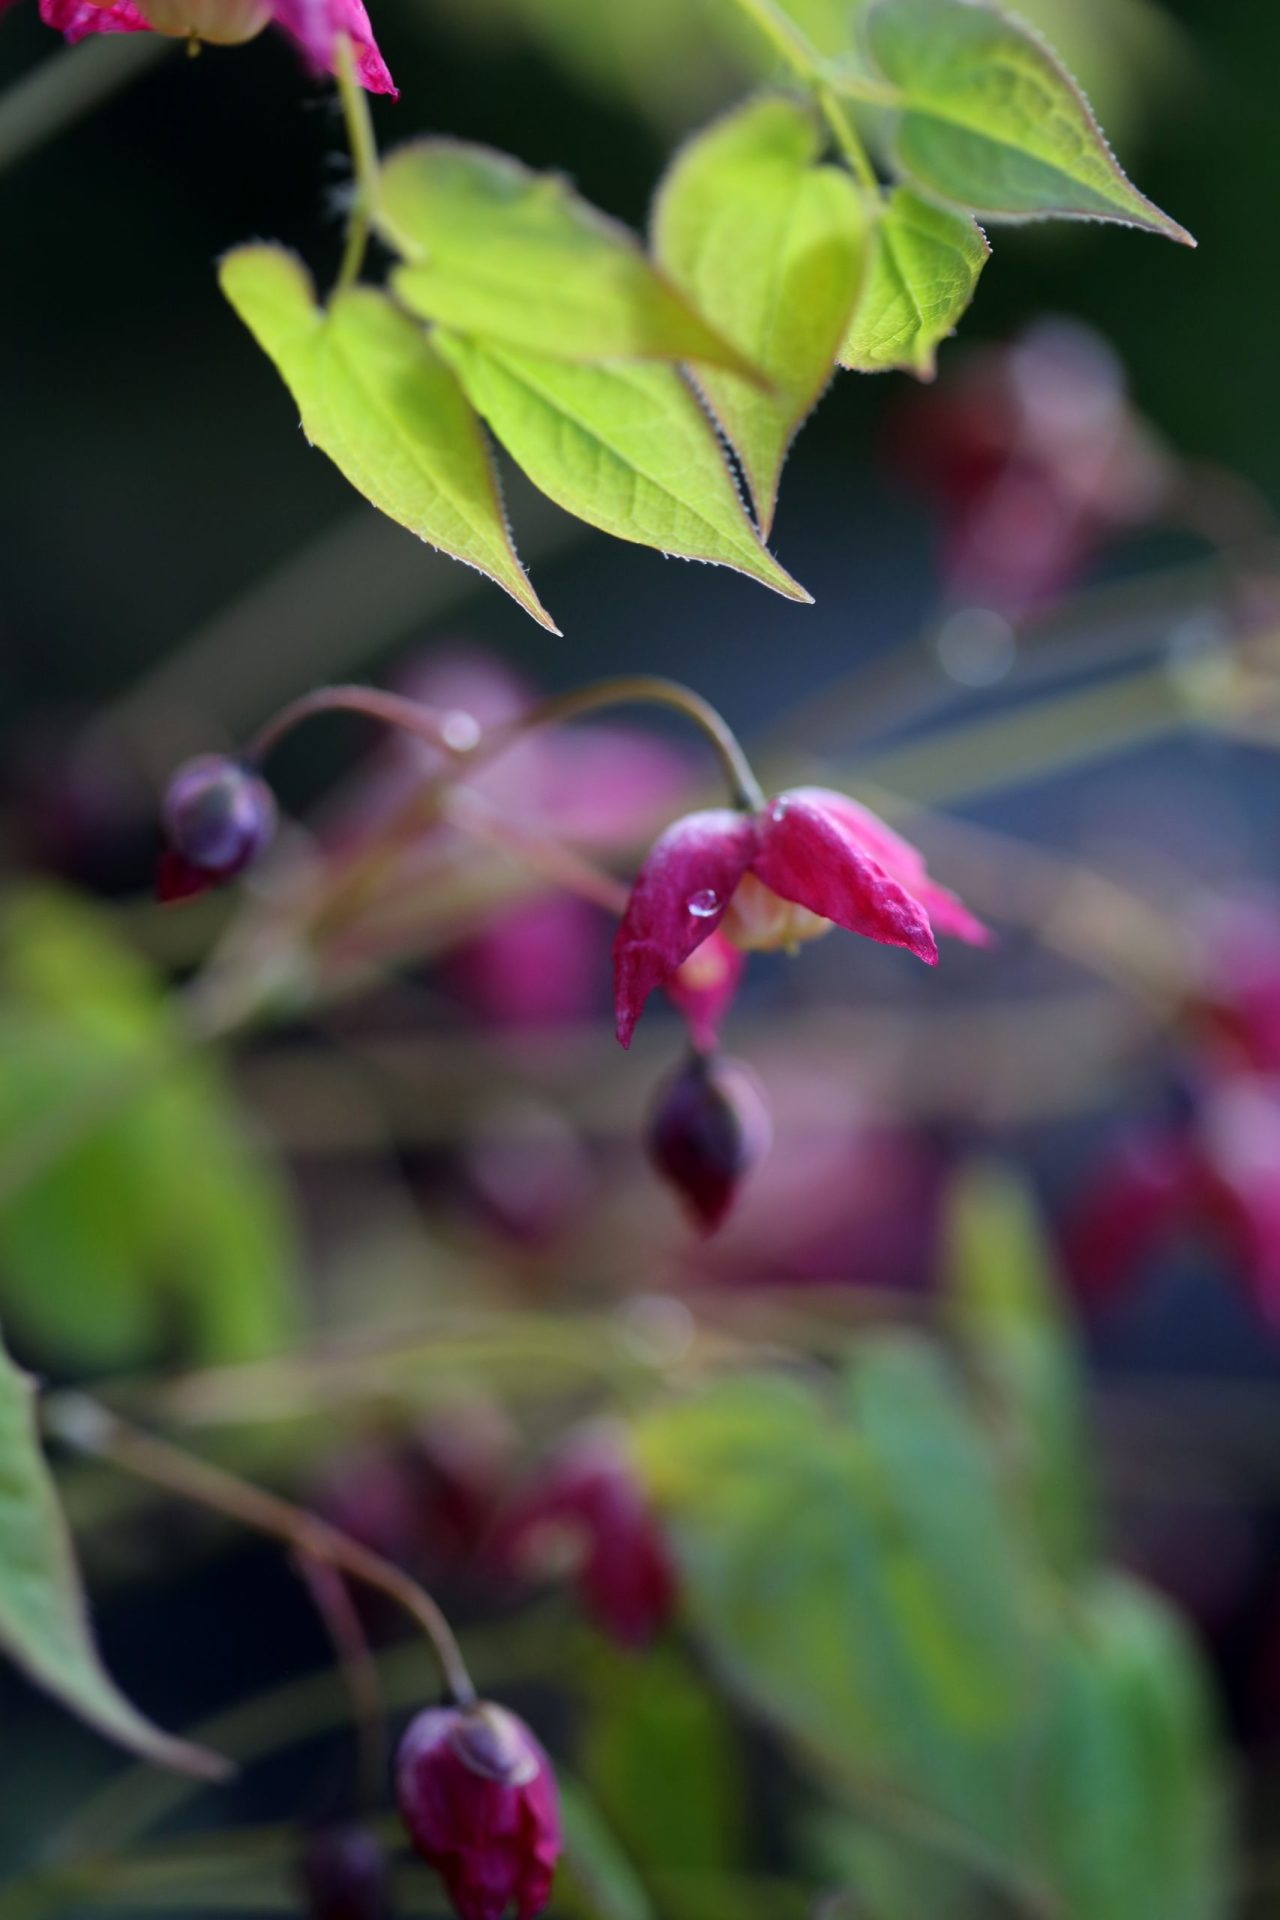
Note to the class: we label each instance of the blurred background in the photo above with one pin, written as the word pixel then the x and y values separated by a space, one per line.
pixel 1047 600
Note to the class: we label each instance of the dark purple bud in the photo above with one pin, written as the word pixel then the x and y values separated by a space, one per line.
pixel 588 1513
pixel 478 1796
pixel 344 1875
pixel 709 1128
pixel 218 816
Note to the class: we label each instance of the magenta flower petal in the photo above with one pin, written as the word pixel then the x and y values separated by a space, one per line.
pixel 679 899
pixel 316 24
pixel 79 18
pixel 704 988
pixel 1143 1193
pixel 808 854
pixel 905 863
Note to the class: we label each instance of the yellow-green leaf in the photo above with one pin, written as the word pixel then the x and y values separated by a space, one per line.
pixel 376 397
pixel 507 255
pixel 627 448
pixel 991 121
pixel 771 246
pixel 924 266
pixel 43 1624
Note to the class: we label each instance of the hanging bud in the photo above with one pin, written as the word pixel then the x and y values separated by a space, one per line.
pixel 709 1128
pixel 344 1875
pixel 478 1797
pixel 218 816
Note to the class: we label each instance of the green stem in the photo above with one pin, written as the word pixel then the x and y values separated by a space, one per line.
pixel 85 1425
pixel 847 138
pixel 364 162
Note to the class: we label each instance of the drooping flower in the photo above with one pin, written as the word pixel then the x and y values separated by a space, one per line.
pixel 478 1797
pixel 710 1127
pixel 811 859
pixel 344 1875
pixel 218 816
pixel 314 25
pixel 588 1513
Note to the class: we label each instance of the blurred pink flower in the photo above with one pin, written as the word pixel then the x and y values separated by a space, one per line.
pixel 1035 458
pixel 810 860
pixel 587 1511
pixel 315 26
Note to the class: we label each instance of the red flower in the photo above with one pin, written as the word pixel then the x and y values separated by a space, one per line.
pixel 478 1796
pixel 315 25
pixel 809 860
pixel 709 1129
pixel 589 1509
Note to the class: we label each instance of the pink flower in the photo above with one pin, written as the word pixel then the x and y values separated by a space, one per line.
pixel 811 859
pixel 315 25
pixel 589 1511
pixel 478 1796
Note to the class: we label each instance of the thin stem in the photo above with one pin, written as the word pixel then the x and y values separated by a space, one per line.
pixel 90 1428
pixel 847 138
pixel 364 161
pixel 449 732
pixel 332 1600
pixel 68 84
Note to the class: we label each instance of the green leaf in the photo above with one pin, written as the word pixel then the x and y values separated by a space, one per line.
pixel 376 397
pixel 151 1218
pixel 601 1881
pixel 772 247
pixel 1131 1797
pixel 990 120
pixel 43 1625
pixel 856 1583
pixel 662 1761
pixel 923 269
pixel 1004 1297
pixel 627 448
pixel 517 257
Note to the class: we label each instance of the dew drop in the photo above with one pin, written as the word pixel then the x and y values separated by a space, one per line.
pixel 778 810
pixel 703 904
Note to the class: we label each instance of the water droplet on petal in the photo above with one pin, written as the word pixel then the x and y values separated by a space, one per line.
pixel 778 809
pixel 703 903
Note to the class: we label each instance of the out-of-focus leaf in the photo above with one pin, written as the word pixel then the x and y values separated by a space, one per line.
pixel 991 121
pixel 152 1222
pixel 376 397
pixel 43 1624
pixel 1004 1297
pixel 878 1876
pixel 507 255
pixel 1131 1803
pixel 843 1597
pixel 662 1761
pixel 627 448
pixel 597 1879
pixel 771 246
pixel 924 266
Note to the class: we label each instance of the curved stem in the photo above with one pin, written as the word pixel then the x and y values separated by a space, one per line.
pixel 364 161
pixel 847 138
pixel 90 1428
pixel 451 732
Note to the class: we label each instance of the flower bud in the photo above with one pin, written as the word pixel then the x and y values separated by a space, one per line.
pixel 478 1797
pixel 709 1128
pixel 218 816
pixel 344 1875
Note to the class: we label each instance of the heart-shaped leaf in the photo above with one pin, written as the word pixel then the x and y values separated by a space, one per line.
pixel 924 266
pixel 626 447
pixel 771 246
pixel 376 397
pixel 991 121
